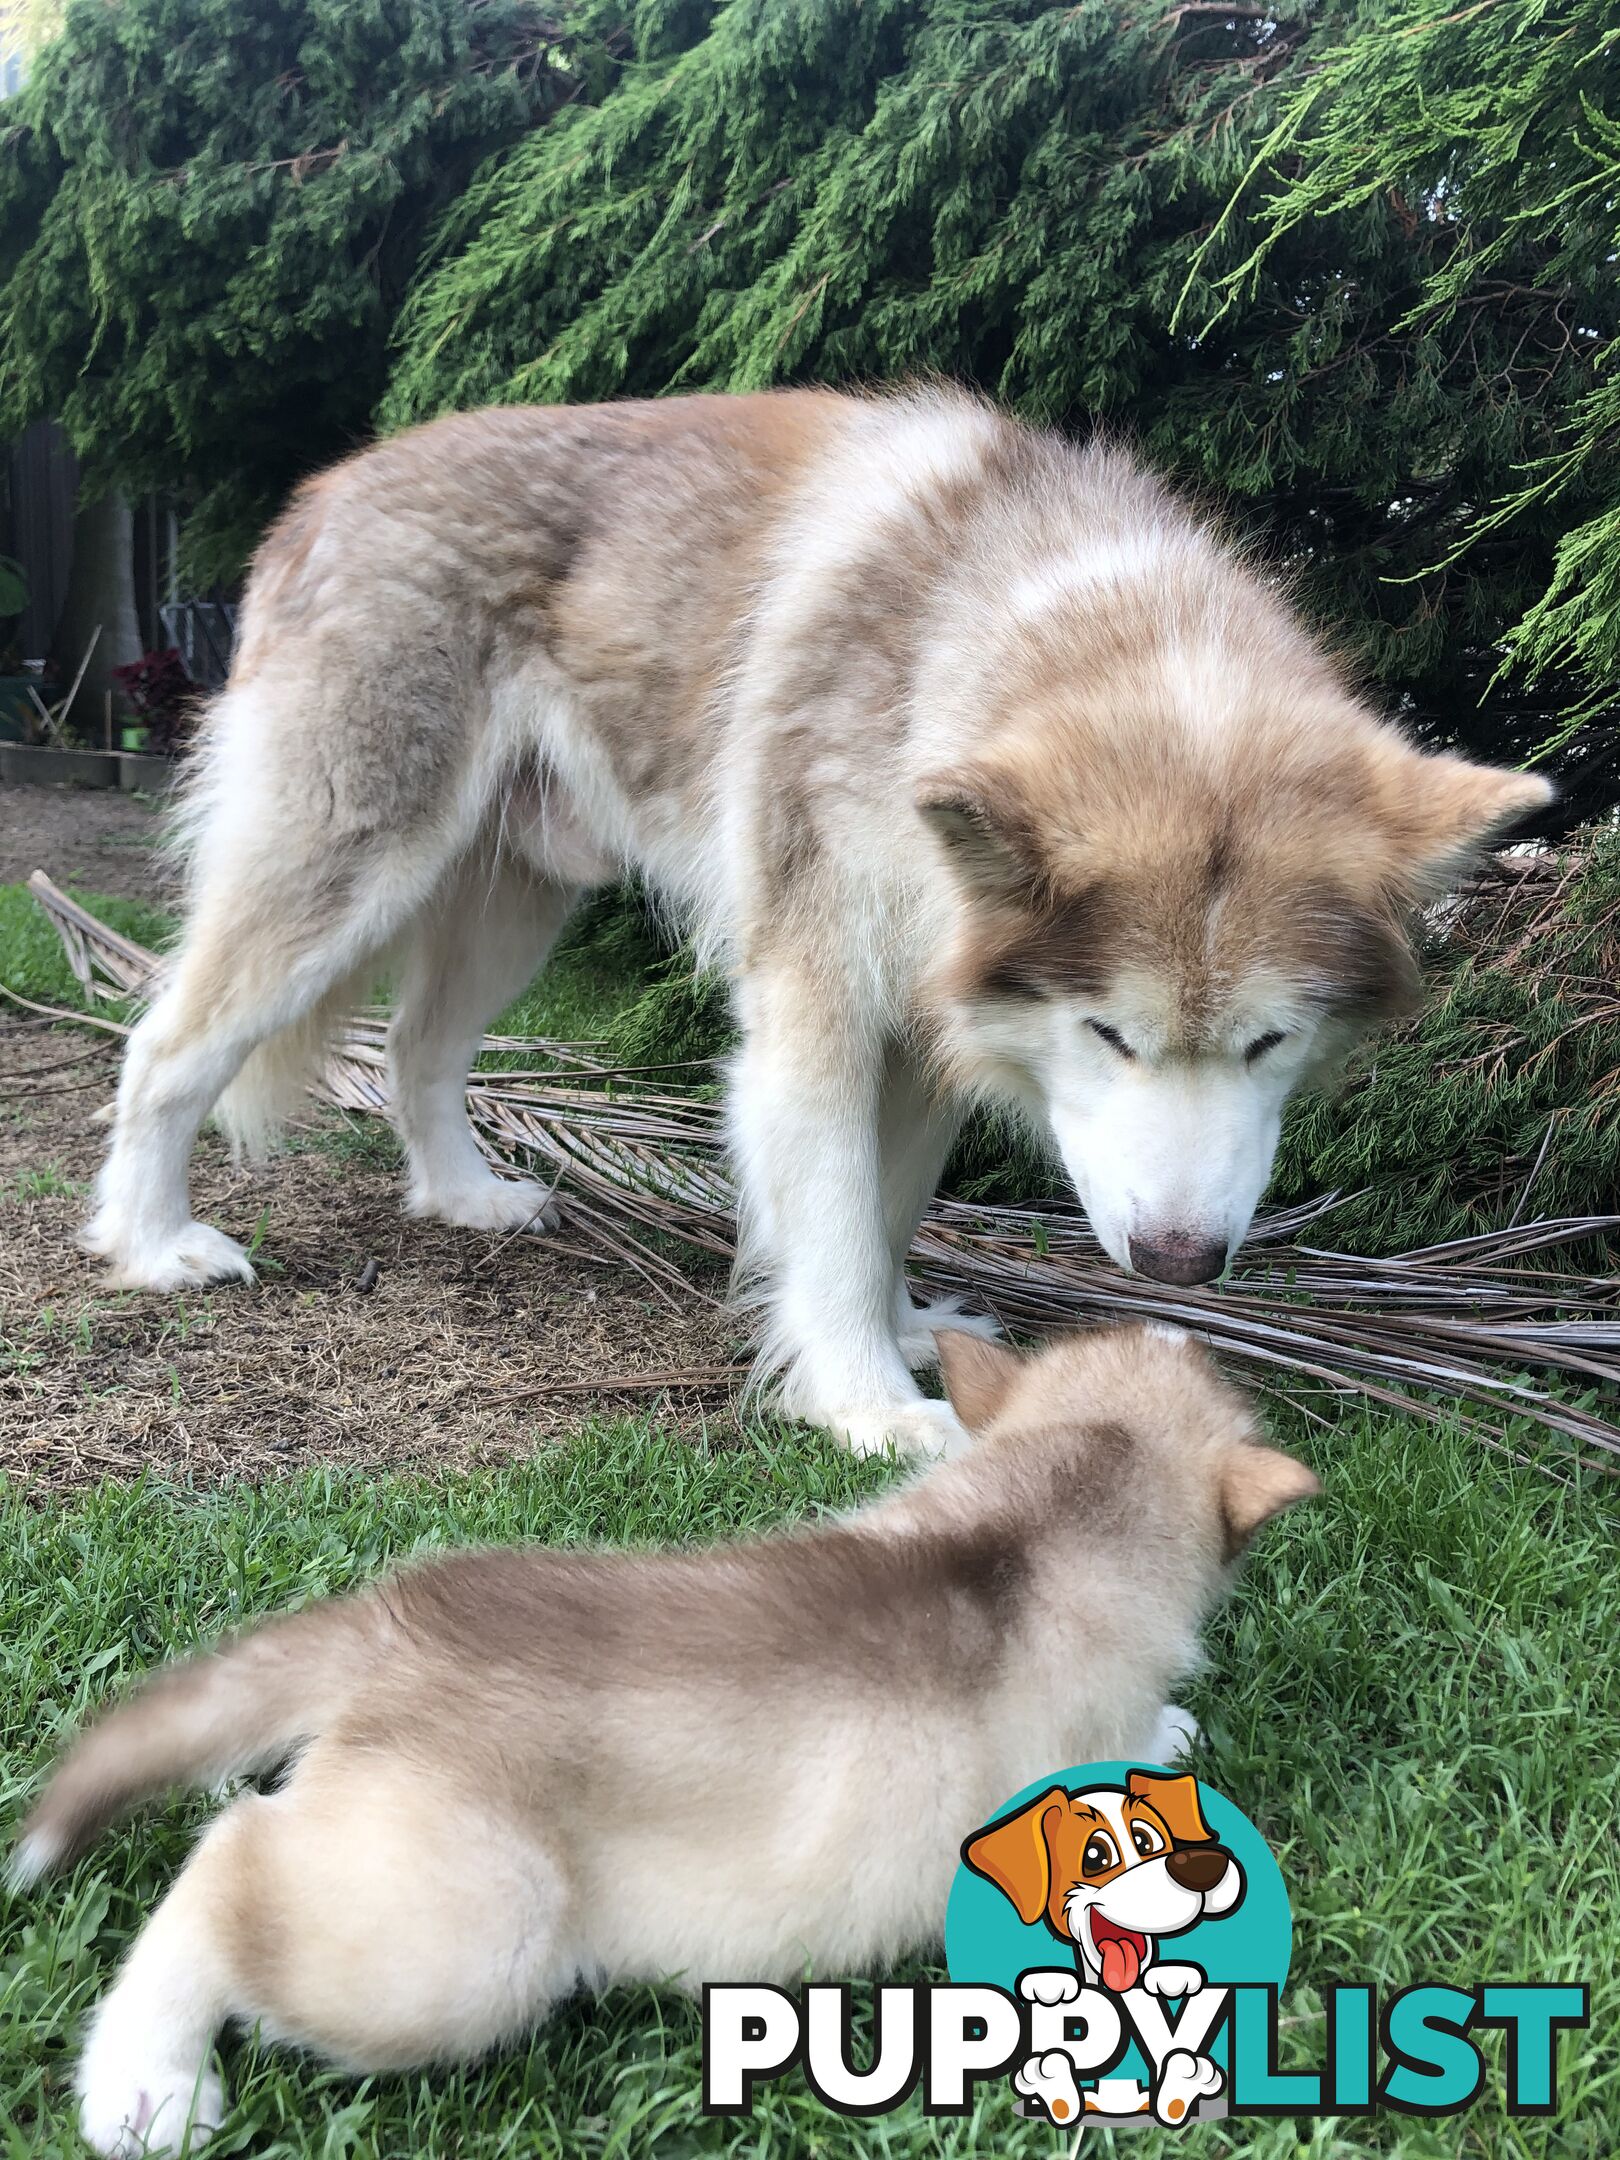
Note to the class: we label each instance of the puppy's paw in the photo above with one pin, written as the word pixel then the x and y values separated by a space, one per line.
pixel 1049 2078
pixel 920 1324
pixel 1171 1982
pixel 1184 2081
pixel 1051 1985
pixel 919 1428
pixel 491 1203
pixel 131 2108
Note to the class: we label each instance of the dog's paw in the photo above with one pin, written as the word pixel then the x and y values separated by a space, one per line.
pixel 919 1428
pixel 127 2109
pixel 491 1203
pixel 1171 1982
pixel 1175 1736
pixel 1049 2078
pixel 1184 2080
pixel 920 1324
pixel 191 1258
pixel 1050 1986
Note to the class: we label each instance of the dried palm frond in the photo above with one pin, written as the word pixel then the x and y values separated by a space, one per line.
pixel 1454 1330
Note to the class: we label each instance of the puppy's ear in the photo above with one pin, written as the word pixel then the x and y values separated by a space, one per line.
pixel 1257 1483
pixel 985 829
pixel 978 1375
pixel 1014 1855
pixel 1175 1801
pixel 1449 809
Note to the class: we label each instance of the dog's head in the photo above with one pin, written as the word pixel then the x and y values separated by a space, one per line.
pixel 1112 1870
pixel 1187 870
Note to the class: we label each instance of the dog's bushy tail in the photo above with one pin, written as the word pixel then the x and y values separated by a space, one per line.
pixel 242 1707
pixel 275 1078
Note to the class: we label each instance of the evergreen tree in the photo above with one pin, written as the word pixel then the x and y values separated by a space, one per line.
pixel 1497 127
pixel 209 212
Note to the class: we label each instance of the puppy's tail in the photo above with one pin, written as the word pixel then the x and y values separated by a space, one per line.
pixel 242 1707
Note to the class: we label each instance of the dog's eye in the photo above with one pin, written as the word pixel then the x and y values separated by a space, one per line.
pixel 1112 1037
pixel 1261 1044
pixel 1099 1854
pixel 1146 1839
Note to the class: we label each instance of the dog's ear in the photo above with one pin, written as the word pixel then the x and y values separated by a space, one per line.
pixel 1257 1483
pixel 1014 1855
pixel 978 1375
pixel 1448 809
pixel 985 829
pixel 1175 1801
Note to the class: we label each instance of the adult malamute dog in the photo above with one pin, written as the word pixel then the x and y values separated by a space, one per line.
pixel 980 764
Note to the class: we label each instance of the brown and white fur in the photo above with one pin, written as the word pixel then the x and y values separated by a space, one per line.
pixel 981 765
pixel 516 1771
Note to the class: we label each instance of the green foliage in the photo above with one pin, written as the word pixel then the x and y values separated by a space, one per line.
pixel 1495 129
pixel 208 214
pixel 1037 199
pixel 1513 1075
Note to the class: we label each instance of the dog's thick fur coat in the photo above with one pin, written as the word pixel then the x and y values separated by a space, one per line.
pixel 981 765
pixel 514 1771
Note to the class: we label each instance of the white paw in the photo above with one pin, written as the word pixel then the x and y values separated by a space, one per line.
pixel 919 1428
pixel 1177 1733
pixel 1049 2078
pixel 191 1258
pixel 919 1324
pixel 1171 1982
pixel 492 1203
pixel 1051 1986
pixel 132 2108
pixel 1184 2080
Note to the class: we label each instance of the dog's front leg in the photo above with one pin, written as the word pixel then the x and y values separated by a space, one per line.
pixel 805 1096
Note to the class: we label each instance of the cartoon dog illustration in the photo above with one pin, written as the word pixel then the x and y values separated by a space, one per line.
pixel 1111 1871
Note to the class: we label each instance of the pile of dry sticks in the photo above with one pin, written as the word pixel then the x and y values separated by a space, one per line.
pixel 1486 1330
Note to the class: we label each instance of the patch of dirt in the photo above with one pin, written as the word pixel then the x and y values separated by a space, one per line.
pixel 307 1367
pixel 95 837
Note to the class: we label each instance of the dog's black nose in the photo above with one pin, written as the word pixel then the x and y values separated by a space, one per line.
pixel 1178 1259
pixel 1196 1867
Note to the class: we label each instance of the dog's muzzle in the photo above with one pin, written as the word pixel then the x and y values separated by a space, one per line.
pixel 1183 1260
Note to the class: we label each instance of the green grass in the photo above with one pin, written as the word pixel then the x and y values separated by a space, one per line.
pixel 32 959
pixel 1413 1693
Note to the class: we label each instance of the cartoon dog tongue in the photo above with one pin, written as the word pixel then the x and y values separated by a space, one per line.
pixel 1121 1957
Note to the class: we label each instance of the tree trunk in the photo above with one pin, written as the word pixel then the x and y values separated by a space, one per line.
pixel 101 589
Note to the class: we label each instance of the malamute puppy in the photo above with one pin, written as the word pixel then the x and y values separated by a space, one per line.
pixel 982 766
pixel 518 1770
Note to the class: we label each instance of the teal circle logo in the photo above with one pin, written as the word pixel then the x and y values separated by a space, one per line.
pixel 1119 1901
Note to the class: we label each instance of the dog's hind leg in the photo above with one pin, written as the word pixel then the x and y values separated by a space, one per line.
pixel 477 944
pixel 285 929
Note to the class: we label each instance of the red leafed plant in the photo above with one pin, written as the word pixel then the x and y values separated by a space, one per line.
pixel 161 694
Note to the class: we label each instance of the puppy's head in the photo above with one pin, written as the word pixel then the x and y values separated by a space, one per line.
pixel 1111 1870
pixel 1136 1450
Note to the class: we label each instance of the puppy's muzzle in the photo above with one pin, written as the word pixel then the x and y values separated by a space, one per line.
pixel 1197 1867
